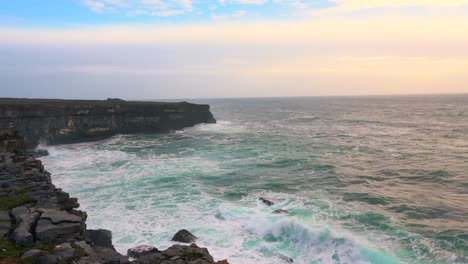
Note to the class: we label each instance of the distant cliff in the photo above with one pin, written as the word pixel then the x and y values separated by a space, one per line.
pixel 72 121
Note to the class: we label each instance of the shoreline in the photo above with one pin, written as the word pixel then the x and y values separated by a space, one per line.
pixel 40 223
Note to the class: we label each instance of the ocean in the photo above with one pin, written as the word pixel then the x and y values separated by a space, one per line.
pixel 379 179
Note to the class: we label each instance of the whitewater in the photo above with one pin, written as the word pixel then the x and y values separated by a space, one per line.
pixel 364 180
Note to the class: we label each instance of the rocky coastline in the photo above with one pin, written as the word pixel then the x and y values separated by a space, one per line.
pixel 41 224
pixel 71 121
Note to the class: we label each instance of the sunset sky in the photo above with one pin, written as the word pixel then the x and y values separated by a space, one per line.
pixel 158 49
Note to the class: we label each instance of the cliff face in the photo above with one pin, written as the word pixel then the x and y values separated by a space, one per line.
pixel 72 121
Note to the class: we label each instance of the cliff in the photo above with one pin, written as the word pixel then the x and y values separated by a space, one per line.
pixel 40 224
pixel 72 121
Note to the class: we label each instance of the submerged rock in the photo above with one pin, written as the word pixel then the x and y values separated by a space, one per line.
pixel 142 250
pixel 184 236
pixel 285 258
pixel 280 211
pixel 266 201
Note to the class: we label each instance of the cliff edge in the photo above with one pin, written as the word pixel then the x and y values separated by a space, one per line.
pixel 73 121
pixel 40 224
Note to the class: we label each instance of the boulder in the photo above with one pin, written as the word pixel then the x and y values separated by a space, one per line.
pixel 64 252
pixel 280 211
pixel 85 247
pixel 31 253
pixel 184 236
pixel 142 250
pixel 266 201
pixel 100 237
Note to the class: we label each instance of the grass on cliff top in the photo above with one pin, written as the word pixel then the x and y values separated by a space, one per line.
pixel 11 254
pixel 10 202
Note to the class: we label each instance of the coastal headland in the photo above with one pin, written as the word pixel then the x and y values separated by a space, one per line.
pixel 53 121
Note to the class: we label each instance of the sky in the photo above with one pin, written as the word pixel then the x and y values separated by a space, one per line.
pixel 169 49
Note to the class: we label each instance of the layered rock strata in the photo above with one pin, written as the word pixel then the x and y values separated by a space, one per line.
pixel 72 121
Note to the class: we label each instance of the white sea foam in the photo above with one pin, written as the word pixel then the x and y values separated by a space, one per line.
pixel 126 201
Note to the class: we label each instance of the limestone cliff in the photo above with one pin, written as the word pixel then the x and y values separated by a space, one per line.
pixel 71 121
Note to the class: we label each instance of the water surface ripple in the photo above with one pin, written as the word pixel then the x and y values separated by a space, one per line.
pixel 365 180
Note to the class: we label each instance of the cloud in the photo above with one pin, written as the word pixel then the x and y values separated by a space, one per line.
pixel 95 6
pixel 162 8
pixel 382 31
pixel 352 5
pixel 227 17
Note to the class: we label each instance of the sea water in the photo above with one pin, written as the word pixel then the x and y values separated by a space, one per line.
pixel 364 180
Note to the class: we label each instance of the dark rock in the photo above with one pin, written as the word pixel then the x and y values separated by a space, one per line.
pixel 184 236
pixel 72 121
pixel 179 254
pixel 46 259
pixel 33 252
pixel 64 252
pixel 266 201
pixel 47 231
pixel 280 211
pixel 88 260
pixel 37 153
pixel 100 237
pixel 10 140
pixel 142 250
pixel 85 247
pixel 110 256
pixel 25 220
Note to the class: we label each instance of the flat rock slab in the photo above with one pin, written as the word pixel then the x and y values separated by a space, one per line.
pixel 57 217
pixel 46 231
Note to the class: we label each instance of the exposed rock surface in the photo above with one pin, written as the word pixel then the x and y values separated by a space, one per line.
pixel 184 236
pixel 142 250
pixel 100 237
pixel 40 223
pixel 71 121
pixel 179 254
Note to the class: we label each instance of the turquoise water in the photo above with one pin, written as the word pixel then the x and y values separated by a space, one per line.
pixel 365 180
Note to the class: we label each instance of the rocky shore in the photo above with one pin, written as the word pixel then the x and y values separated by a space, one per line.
pixel 41 224
pixel 71 121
